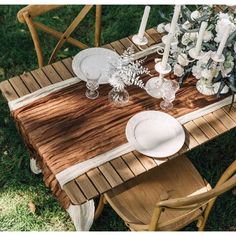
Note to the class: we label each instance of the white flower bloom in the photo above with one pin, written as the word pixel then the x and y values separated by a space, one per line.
pixel 182 59
pixel 195 15
pixel 186 25
pixel 177 29
pixel 221 26
pixel 178 70
pixel 235 47
pixel 207 36
pixel 185 39
pixel 196 71
pixel 175 49
pixel 167 27
pixel 222 15
pixel 188 38
pixel 207 74
pixel 161 28
pixel 193 36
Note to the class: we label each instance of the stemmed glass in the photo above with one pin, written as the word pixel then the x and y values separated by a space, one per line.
pixel 92 84
pixel 169 89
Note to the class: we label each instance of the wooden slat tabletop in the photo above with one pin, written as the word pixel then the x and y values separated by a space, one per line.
pixel 126 167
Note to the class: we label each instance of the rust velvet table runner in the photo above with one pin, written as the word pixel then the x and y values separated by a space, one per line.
pixel 65 128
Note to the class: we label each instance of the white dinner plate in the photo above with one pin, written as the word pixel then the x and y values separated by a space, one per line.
pixel 155 134
pixel 93 59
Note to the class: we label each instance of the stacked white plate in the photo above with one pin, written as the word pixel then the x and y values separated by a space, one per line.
pixel 94 59
pixel 155 134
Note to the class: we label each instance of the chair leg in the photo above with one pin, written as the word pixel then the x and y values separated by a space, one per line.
pixel 100 207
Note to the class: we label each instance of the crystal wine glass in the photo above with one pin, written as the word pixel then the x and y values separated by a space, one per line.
pixel 92 84
pixel 169 89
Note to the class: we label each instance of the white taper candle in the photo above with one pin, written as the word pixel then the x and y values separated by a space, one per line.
pixel 223 42
pixel 144 22
pixel 175 18
pixel 170 35
pixel 200 37
pixel 166 50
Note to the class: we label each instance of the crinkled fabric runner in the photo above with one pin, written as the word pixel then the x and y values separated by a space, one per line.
pixel 73 134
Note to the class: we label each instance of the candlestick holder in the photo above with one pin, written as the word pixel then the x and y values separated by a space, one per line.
pixel 216 58
pixel 154 85
pixel 194 54
pixel 139 41
pixel 205 86
pixel 174 40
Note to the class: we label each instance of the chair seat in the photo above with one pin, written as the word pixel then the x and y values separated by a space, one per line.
pixel 135 200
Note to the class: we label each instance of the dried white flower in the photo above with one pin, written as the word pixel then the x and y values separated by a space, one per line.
pixel 161 28
pixel 116 82
pixel 178 70
pixel 127 72
pixel 182 59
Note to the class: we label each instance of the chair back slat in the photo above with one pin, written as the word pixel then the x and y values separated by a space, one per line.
pixel 28 13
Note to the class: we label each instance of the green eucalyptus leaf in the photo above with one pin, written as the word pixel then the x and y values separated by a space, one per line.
pixel 163 16
pixel 222 85
pixel 187 14
pixel 209 63
pixel 193 30
pixel 232 80
pixel 231 39
pixel 209 46
pixel 184 77
pixel 202 18
pixel 218 78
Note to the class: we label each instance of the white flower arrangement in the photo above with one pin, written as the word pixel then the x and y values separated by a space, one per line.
pixel 187 34
pixel 126 71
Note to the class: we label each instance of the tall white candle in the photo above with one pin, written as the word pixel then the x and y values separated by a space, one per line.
pixel 223 42
pixel 200 37
pixel 175 18
pixel 144 22
pixel 166 50
pixel 170 35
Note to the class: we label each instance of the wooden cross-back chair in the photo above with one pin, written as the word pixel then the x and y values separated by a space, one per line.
pixel 28 13
pixel 168 198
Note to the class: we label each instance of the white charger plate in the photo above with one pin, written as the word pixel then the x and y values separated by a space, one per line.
pixel 155 134
pixel 93 59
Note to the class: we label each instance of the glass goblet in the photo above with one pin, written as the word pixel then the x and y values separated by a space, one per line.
pixel 169 89
pixel 92 84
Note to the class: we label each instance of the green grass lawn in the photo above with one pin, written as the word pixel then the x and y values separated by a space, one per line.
pixel 19 188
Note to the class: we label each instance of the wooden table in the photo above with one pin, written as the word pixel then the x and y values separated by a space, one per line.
pixel 115 172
